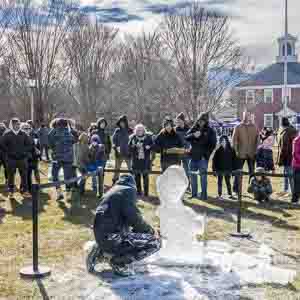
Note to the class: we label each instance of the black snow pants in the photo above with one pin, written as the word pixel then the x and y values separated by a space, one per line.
pixel 130 247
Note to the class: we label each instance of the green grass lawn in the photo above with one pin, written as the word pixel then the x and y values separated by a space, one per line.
pixel 63 231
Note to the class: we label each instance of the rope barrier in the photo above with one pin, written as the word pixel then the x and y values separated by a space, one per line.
pixel 36 271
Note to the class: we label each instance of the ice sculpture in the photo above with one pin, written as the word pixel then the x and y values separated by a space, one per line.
pixel 179 226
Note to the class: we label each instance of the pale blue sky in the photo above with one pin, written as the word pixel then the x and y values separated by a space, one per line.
pixel 257 23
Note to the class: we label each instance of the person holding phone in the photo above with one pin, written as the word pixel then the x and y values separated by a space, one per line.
pixel 203 140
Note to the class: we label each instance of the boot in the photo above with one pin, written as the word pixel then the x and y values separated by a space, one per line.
pixel 122 270
pixel 93 256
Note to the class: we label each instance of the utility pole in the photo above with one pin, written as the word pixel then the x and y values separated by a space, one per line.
pixel 285 60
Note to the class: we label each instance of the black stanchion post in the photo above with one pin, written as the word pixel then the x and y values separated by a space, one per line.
pixel 35 271
pixel 239 232
pixel 100 175
pixel 35 212
pixel 240 191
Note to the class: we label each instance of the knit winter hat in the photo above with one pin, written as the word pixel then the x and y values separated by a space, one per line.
pixel 181 117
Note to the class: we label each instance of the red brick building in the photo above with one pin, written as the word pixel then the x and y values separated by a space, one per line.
pixel 263 93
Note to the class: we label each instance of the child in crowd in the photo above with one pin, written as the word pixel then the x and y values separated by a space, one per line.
pixel 260 186
pixel 264 157
pixel 81 157
pixel 296 169
pixel 224 161
pixel 96 157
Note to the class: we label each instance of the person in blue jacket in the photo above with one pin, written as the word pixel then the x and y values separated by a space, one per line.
pixel 61 140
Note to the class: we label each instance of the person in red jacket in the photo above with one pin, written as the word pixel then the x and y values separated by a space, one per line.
pixel 296 169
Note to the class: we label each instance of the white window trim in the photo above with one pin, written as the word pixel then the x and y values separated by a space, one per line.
pixel 265 96
pixel 268 115
pixel 263 87
pixel 253 98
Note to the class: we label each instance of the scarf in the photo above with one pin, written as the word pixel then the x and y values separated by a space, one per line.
pixel 140 147
pixel 16 132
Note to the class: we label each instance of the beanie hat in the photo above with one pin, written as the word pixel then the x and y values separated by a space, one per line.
pixel 181 117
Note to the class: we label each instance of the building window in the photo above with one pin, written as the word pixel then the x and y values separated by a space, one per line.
pixel 289 50
pixel 289 94
pixel 250 95
pixel 268 120
pixel 268 96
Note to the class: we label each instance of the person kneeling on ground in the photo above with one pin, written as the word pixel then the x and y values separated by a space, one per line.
pixel 120 230
pixel 260 186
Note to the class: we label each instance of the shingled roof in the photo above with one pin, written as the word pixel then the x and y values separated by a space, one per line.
pixel 274 75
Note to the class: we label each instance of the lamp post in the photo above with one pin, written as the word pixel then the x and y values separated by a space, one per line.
pixel 32 85
pixel 285 60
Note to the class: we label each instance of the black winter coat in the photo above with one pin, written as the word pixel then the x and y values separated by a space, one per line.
pixel 203 146
pixel 182 132
pixel 224 160
pixel 165 141
pixel 2 131
pixel 105 139
pixel 121 139
pixel 118 211
pixel 140 165
pixel 16 147
pixel 33 156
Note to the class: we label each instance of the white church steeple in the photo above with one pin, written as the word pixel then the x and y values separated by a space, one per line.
pixel 291 49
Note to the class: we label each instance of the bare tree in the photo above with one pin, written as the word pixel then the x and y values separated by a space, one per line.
pixel 198 41
pixel 34 49
pixel 5 18
pixel 139 72
pixel 89 54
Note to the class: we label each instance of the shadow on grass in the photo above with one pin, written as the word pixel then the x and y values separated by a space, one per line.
pixel 151 199
pixel 23 208
pixel 230 207
pixel 42 289
pixel 225 205
pixel 84 213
